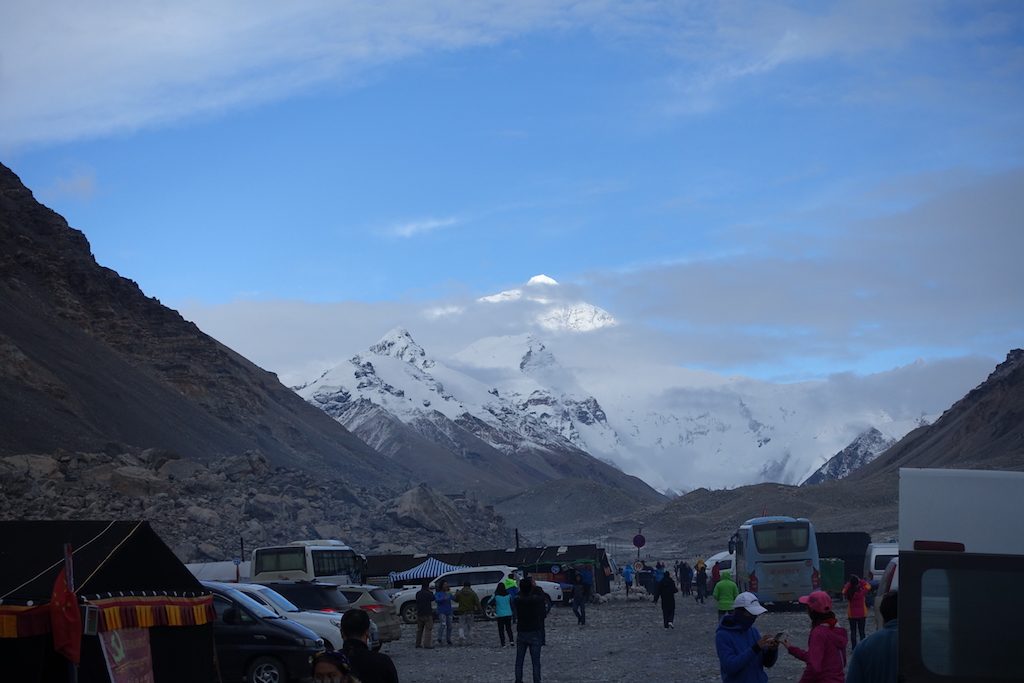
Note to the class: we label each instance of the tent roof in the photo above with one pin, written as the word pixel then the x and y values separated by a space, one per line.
pixel 429 569
pixel 109 557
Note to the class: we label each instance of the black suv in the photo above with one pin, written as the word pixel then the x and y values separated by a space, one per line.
pixel 254 644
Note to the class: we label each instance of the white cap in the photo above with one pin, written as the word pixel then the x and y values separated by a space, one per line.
pixel 748 601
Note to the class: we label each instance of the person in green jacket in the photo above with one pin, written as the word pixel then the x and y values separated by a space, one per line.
pixel 725 593
pixel 468 605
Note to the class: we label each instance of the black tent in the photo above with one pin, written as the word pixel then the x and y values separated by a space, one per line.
pixel 127 573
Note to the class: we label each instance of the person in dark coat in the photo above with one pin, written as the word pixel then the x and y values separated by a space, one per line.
pixel 702 583
pixel 424 615
pixel 530 627
pixel 666 591
pixel 369 667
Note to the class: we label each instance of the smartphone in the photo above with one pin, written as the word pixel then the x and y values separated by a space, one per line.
pixel 778 636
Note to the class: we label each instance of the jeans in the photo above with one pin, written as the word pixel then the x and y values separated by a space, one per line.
pixel 466 626
pixel 444 628
pixel 855 626
pixel 579 608
pixel 505 626
pixel 532 641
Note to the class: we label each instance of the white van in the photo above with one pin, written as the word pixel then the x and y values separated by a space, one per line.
pixel 876 559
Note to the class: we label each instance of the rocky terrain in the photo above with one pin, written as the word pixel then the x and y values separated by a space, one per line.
pixel 202 510
pixel 866 447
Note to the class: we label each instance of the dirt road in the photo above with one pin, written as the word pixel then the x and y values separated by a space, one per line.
pixel 623 641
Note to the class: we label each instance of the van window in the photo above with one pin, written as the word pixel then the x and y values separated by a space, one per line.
pixel 956 604
pixel 783 537
pixel 882 561
pixel 492 577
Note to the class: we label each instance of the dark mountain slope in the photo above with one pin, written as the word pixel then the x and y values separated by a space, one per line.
pixel 86 359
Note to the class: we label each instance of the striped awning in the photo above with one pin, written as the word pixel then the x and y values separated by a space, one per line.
pixel 428 569
pixel 115 613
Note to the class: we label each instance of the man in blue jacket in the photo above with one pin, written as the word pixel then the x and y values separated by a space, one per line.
pixel 743 653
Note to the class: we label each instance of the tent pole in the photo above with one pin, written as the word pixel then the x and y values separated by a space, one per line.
pixel 69 575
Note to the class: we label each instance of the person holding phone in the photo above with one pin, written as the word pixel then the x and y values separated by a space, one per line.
pixel 743 653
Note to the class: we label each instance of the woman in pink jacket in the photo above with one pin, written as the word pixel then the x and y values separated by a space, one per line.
pixel 825 655
pixel 855 592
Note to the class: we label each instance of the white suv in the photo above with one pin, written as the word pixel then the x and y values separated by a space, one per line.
pixel 483 580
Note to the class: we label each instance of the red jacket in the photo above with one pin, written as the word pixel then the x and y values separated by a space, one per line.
pixel 825 654
pixel 856 606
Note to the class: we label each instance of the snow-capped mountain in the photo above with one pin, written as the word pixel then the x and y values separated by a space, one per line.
pixel 458 431
pixel 556 315
pixel 868 445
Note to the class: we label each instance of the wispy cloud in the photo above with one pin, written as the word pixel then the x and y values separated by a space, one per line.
pixel 78 184
pixel 420 227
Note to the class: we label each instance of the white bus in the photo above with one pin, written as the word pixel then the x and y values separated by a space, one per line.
pixel 316 560
pixel 961 573
pixel 776 558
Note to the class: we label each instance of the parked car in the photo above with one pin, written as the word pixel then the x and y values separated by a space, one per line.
pixel 377 603
pixel 256 645
pixel 320 597
pixel 483 580
pixel 326 625
pixel 876 559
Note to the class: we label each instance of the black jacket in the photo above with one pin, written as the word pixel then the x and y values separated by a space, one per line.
pixel 530 609
pixel 424 598
pixel 369 667
pixel 666 590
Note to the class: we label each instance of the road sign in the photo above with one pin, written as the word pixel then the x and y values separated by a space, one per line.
pixel 639 541
pixel 555 569
pixel 237 561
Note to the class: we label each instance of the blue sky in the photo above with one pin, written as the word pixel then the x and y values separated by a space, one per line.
pixel 777 189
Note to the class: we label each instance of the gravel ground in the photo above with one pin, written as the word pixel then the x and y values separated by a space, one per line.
pixel 623 640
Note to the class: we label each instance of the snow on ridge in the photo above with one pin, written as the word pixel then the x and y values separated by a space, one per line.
pixel 541 280
pixel 507 295
pixel 581 317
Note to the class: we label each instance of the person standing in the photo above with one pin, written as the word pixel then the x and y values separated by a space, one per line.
pixel 469 605
pixel 513 590
pixel 716 576
pixel 666 591
pixel 855 592
pixel 702 582
pixel 503 612
pixel 627 578
pixel 825 656
pixel 877 658
pixel 579 601
pixel 529 604
pixel 368 667
pixel 725 593
pixel 743 653
pixel 686 578
pixel 424 615
pixel 444 613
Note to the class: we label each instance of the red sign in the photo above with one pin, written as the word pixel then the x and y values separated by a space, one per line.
pixel 639 541
pixel 128 656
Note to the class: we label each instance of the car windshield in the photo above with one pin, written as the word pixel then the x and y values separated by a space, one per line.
pixel 278 600
pixel 261 611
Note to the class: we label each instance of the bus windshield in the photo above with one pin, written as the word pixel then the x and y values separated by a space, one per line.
pixel 334 563
pixel 781 537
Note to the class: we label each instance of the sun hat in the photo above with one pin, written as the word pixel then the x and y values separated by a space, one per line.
pixel 748 601
pixel 818 601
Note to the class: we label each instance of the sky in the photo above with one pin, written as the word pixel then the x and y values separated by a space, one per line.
pixel 783 190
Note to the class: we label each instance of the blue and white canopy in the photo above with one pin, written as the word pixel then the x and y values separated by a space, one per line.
pixel 428 569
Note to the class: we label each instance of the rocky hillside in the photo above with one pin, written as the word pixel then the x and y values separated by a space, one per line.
pixel 202 510
pixel 864 449
pixel 87 359
pixel 984 430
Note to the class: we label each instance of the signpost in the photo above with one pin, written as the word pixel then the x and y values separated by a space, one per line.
pixel 639 541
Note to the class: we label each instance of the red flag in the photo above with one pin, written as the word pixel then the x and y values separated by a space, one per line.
pixel 66 620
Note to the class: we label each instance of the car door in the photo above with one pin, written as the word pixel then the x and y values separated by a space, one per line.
pixel 234 641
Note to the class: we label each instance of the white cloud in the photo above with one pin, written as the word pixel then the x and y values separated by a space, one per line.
pixel 413 228
pixel 78 184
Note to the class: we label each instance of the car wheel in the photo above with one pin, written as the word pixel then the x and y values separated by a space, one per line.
pixel 266 670
pixel 489 610
pixel 408 612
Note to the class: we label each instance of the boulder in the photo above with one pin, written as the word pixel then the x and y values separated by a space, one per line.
pixel 422 508
pixel 35 466
pixel 201 515
pixel 179 469
pixel 137 481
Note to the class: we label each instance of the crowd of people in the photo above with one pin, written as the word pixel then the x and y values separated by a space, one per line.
pixel 744 654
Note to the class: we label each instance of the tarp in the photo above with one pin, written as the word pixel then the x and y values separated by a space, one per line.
pixel 122 568
pixel 428 569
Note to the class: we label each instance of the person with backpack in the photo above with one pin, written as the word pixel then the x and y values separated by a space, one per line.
pixel 825 656
pixel 503 613
pixel 530 606
pixel 666 591
pixel 468 605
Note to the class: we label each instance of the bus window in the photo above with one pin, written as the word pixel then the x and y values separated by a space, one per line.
pixel 779 538
pixel 334 563
pixel 280 560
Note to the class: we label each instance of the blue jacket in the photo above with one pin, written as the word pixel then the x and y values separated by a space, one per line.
pixel 627 573
pixel 876 658
pixel 737 660
pixel 444 602
pixel 502 605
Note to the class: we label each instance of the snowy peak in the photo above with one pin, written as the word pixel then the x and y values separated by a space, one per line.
pixel 541 280
pixel 537 356
pixel 868 445
pixel 398 343
pixel 580 317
